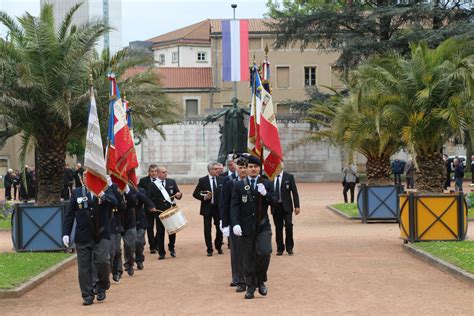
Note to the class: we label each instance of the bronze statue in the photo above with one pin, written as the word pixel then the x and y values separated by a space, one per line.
pixel 233 133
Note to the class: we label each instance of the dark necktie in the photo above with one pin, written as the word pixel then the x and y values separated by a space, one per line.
pixel 277 189
pixel 252 182
pixel 163 183
pixel 214 188
pixel 153 179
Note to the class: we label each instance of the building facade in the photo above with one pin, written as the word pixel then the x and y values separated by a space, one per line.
pixel 109 11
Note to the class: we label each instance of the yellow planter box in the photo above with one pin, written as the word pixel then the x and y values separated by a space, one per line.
pixel 432 217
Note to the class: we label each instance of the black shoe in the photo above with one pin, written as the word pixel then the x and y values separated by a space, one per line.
pixel 249 295
pixel 140 265
pixel 209 253
pixel 87 302
pixel 130 271
pixel 262 289
pixel 116 277
pixel 233 283
pixel 240 288
pixel 161 257
pixel 290 252
pixel 219 251
pixel 173 253
pixel 279 253
pixel 101 295
pixel 153 251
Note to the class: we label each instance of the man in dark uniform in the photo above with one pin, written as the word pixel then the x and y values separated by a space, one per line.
pixel 92 239
pixel 143 203
pixel 129 235
pixel 162 192
pixel 224 214
pixel 231 172
pixel 286 196
pixel 249 219
pixel 78 175
pixel 208 191
pixel 151 217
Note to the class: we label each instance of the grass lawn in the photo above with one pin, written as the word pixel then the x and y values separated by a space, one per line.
pixel 16 268
pixel 5 222
pixel 349 209
pixel 459 253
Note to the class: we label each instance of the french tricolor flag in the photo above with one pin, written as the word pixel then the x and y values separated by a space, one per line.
pixel 235 50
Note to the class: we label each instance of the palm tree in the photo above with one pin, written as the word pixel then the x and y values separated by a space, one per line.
pixel 356 123
pixel 431 101
pixel 44 71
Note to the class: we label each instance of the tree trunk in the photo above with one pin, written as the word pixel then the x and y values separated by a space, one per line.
pixel 378 170
pixel 431 173
pixel 50 170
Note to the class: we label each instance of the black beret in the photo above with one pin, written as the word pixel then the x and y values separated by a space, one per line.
pixel 254 160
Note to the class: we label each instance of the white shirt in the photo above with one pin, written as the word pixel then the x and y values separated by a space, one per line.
pixel 212 188
pixel 256 181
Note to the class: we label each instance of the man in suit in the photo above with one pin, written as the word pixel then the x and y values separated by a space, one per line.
pixel 151 217
pixel 92 239
pixel 231 172
pixel 162 192
pixel 286 195
pixel 224 214
pixel 208 191
pixel 249 219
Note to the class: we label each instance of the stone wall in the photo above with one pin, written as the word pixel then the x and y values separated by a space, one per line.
pixel 190 145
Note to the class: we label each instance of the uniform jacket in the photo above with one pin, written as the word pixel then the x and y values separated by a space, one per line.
pixel 252 217
pixel 157 198
pixel 92 223
pixel 205 185
pixel 288 193
pixel 226 197
pixel 143 203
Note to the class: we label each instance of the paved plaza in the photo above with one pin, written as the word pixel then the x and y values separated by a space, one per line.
pixel 339 266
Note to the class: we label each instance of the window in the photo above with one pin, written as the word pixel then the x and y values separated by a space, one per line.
pixel 283 77
pixel 201 57
pixel 161 60
pixel 174 57
pixel 309 76
pixel 191 107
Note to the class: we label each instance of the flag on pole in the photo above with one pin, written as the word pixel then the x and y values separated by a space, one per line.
pixel 254 142
pixel 132 177
pixel 266 133
pixel 121 156
pixel 235 50
pixel 94 161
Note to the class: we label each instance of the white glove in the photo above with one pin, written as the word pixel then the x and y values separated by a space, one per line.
pixel 226 231
pixel 237 230
pixel 66 240
pixel 261 189
pixel 109 180
pixel 220 225
pixel 127 189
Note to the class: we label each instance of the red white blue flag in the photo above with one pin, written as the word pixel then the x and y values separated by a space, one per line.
pixel 235 50
pixel 121 156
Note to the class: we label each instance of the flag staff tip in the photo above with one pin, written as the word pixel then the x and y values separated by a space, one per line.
pixel 266 50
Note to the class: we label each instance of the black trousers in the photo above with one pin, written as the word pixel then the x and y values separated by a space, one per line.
pixel 161 238
pixel 8 193
pixel 208 229
pixel 349 186
pixel 89 254
pixel 152 218
pixel 256 259
pixel 15 192
pixel 139 246
pixel 397 178
pixel 283 219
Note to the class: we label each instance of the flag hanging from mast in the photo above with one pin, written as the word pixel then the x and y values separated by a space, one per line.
pixel 121 156
pixel 254 142
pixel 132 177
pixel 235 50
pixel 266 133
pixel 94 161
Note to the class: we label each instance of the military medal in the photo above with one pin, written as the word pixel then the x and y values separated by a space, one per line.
pixel 80 206
pixel 247 187
pixel 244 199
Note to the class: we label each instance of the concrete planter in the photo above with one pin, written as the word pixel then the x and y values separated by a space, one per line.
pixel 38 228
pixel 379 202
pixel 433 217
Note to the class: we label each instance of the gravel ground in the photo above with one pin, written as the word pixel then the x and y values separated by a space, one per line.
pixel 339 267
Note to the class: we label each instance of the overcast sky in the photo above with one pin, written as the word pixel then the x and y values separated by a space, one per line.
pixel 144 19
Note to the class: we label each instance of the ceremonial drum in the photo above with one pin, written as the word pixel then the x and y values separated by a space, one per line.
pixel 173 220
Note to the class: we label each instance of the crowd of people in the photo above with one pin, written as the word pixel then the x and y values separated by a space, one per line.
pixel 235 202
pixel 20 185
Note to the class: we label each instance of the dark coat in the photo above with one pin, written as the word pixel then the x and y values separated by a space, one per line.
pixel 92 223
pixel 251 215
pixel 154 194
pixel 8 180
pixel 288 193
pixel 143 203
pixel 226 197
pixel 205 185
pixel 79 177
pixel 459 171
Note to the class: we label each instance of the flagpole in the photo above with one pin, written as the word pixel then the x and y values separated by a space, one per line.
pixel 235 82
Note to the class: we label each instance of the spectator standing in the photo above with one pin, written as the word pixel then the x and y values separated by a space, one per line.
pixel 8 182
pixel 447 164
pixel 16 183
pixel 397 170
pixel 350 178
pixel 458 174
pixel 410 172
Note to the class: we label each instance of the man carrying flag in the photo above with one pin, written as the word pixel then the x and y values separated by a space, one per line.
pixel 90 206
